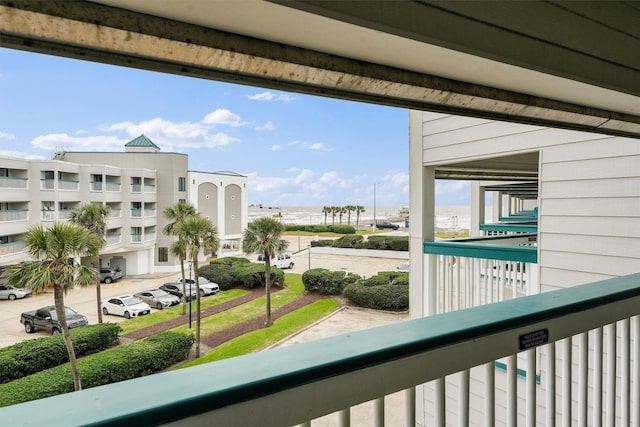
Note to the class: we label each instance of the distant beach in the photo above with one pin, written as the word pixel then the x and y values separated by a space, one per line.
pixel 447 217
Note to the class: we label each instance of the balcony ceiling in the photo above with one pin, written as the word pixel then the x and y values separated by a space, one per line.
pixel 572 65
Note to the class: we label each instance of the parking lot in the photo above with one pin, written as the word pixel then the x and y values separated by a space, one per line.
pixel 83 300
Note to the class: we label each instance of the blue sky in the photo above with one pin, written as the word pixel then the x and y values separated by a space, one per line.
pixel 297 150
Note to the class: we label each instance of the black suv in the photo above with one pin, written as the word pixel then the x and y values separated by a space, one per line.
pixel 385 224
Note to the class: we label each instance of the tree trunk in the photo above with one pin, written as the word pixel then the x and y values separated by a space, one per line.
pixel 195 265
pixel 58 297
pixel 98 290
pixel 267 286
pixel 184 288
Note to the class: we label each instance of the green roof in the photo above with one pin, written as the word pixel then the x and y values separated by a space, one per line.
pixel 141 141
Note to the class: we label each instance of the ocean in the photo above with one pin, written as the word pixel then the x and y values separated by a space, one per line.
pixel 447 217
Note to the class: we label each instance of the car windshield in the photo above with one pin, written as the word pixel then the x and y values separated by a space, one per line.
pixel 202 280
pixel 131 300
pixel 158 293
pixel 67 312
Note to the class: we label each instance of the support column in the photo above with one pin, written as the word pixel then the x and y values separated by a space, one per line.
pixel 477 208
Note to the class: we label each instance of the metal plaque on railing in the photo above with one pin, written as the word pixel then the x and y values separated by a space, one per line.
pixel 534 339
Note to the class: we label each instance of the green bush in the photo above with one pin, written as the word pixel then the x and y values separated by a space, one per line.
pixel 252 275
pixel 342 229
pixel 381 297
pixel 31 356
pixel 348 241
pixel 320 243
pixel 156 353
pixel 219 273
pixel 326 282
pixel 399 245
pixel 387 278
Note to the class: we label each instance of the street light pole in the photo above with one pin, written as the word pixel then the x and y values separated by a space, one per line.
pixel 190 264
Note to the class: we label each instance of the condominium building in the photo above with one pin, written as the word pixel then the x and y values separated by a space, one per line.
pixel 136 184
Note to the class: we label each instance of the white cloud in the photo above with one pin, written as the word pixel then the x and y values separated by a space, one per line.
pixel 222 116
pixel 21 155
pixel 315 146
pixel 329 177
pixel 6 135
pixel 275 147
pixel 53 141
pixel 445 187
pixel 171 135
pixel 267 126
pixel 270 96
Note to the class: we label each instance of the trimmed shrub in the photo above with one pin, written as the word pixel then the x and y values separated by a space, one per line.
pixel 399 245
pixel 387 278
pixel 156 353
pixel 381 297
pixel 342 228
pixel 320 243
pixel 326 282
pixel 219 273
pixel 31 356
pixel 230 261
pixel 252 275
pixel 348 241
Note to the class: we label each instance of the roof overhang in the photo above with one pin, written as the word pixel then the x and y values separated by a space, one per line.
pixel 498 60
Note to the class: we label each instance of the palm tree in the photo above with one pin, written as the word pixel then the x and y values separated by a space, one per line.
pixel 93 217
pixel 326 210
pixel 177 213
pixel 264 236
pixel 349 209
pixel 342 210
pixel 334 211
pixel 199 234
pixel 53 250
pixel 359 209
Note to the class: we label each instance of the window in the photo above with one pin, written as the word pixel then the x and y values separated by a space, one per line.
pixel 163 254
pixel 182 183
pixel 182 200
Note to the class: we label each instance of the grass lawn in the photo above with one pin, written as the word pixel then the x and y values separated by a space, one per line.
pixel 218 322
pixel 157 316
pixel 263 338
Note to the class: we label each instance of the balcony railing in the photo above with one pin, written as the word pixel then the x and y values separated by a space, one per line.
pixel 48 216
pixel 149 236
pixel 47 184
pixel 136 238
pixel 96 186
pixel 136 212
pixel 11 248
pixel 470 272
pixel 136 188
pixel 149 212
pixel 508 229
pixel 113 186
pixel 149 188
pixel 68 185
pixel 13 182
pixel 14 215
pixel 115 213
pixel 296 384
pixel 113 239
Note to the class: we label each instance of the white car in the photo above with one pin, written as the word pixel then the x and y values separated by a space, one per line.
pixel 9 292
pixel 206 286
pixel 126 306
pixel 158 298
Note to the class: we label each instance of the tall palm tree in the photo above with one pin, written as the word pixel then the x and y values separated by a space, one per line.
pixel 264 235
pixel 326 210
pixel 93 217
pixel 199 234
pixel 53 251
pixel 341 211
pixel 177 213
pixel 334 211
pixel 349 209
pixel 359 209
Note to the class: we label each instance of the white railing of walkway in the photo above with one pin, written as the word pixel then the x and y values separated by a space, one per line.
pixel 477 271
pixel 296 384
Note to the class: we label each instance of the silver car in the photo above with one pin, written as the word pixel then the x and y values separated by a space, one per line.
pixel 158 298
pixel 9 292
pixel 206 286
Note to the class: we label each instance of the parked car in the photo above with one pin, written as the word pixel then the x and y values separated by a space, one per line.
pixel 381 225
pixel 46 318
pixel 108 275
pixel 126 305
pixel 158 298
pixel 403 267
pixel 175 288
pixel 280 261
pixel 207 287
pixel 12 293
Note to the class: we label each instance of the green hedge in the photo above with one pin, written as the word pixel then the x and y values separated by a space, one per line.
pixel 322 228
pixel 382 297
pixel 348 241
pixel 252 275
pixel 327 282
pixel 35 355
pixel 154 354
